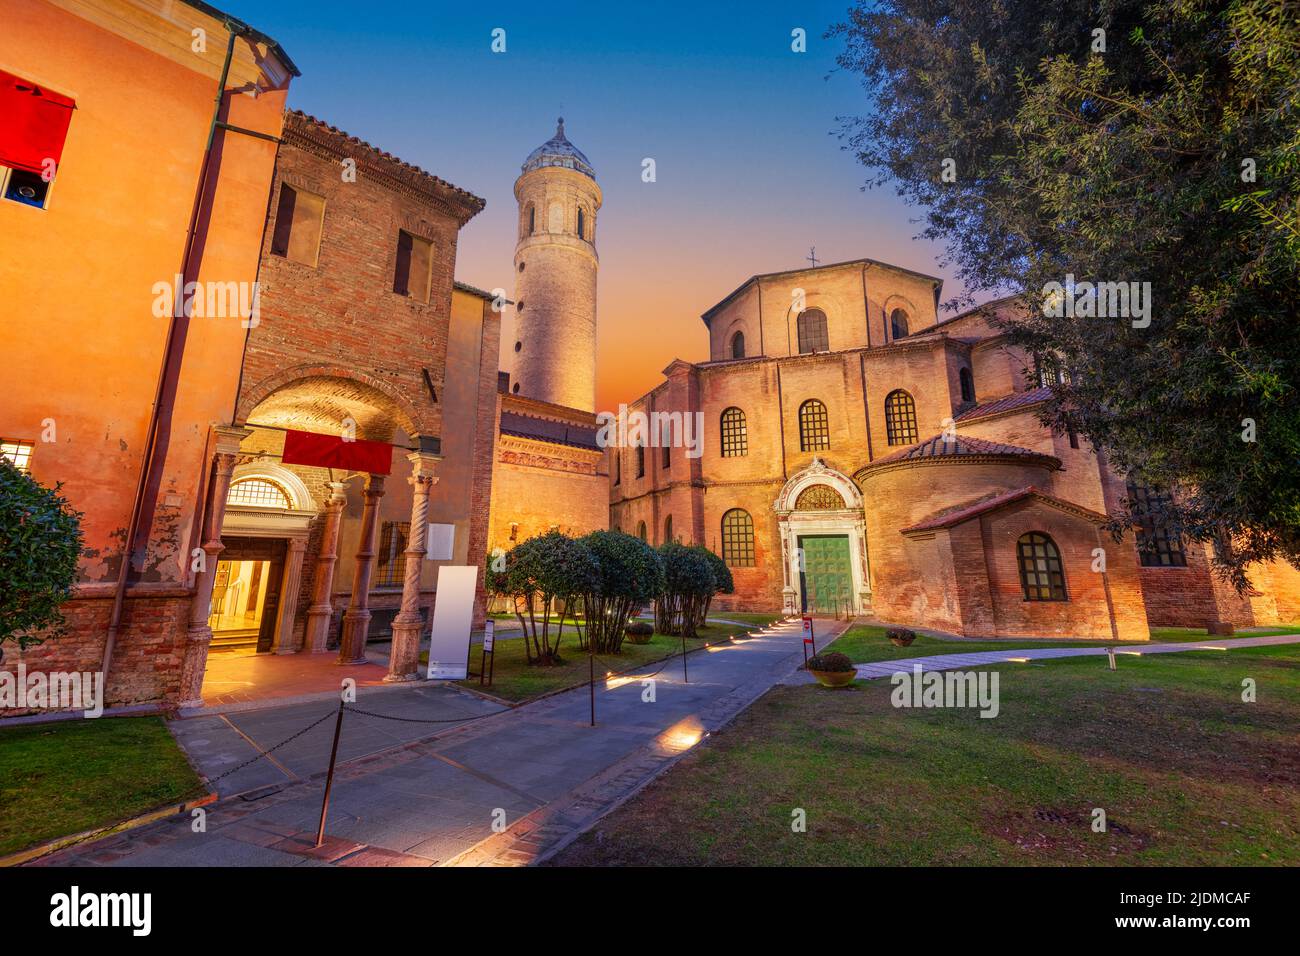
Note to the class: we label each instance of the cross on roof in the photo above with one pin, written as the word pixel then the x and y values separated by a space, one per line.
pixel 812 256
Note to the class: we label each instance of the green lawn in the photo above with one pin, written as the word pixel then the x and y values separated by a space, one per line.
pixel 744 617
pixel 1187 773
pixel 865 644
pixel 63 778
pixel 514 679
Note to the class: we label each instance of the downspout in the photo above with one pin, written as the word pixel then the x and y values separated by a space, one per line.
pixel 168 373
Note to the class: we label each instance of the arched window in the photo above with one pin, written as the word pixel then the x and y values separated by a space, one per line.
pixel 1041 575
pixel 900 418
pixel 640 530
pixel 814 430
pixel 640 461
pixel 1158 546
pixel 738 345
pixel 967 384
pixel 258 493
pixel 582 222
pixel 531 213
pixel 618 466
pixel 738 538
pixel 819 498
pixel 898 324
pixel 735 438
pixel 812 332
pixel 668 529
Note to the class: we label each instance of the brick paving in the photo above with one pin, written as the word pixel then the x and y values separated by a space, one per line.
pixel 409 794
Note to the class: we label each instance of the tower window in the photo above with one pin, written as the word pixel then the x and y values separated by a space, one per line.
pixel 515 388
pixel 900 418
pixel 668 529
pixel 898 324
pixel 521 266
pixel 519 346
pixel 967 385
pixel 735 437
pixel 814 428
pixel 738 538
pixel 640 530
pixel 1041 575
pixel 411 277
pixel 640 461
pixel 618 467
pixel 666 458
pixel 298 219
pixel 738 345
pixel 813 336
pixel 582 222
pixel 519 306
pixel 531 213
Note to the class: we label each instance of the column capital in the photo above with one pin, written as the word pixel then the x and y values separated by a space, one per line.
pixel 335 491
pixel 423 464
pixel 228 438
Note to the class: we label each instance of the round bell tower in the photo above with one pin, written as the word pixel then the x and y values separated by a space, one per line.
pixel 555 276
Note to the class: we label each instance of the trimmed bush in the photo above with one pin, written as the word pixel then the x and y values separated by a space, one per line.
pixel 639 632
pixel 40 545
pixel 538 572
pixel 689 583
pixel 832 663
pixel 628 575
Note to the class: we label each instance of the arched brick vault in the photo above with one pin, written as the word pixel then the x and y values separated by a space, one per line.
pixel 319 397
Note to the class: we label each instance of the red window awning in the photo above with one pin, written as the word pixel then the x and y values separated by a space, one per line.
pixel 331 451
pixel 33 123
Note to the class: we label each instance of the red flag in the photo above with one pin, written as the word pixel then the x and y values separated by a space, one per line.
pixel 33 123
pixel 331 451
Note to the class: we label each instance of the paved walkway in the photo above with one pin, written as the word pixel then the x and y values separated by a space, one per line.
pixel 420 794
pixel 944 662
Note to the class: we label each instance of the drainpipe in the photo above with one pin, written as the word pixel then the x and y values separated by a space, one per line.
pixel 168 373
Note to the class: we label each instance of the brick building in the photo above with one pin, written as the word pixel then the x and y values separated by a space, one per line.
pixel 859 455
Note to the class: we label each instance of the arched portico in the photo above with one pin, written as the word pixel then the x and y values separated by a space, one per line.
pixel 820 516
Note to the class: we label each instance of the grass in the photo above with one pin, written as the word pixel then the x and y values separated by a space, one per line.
pixel 1187 773
pixel 744 617
pixel 62 778
pixel 865 644
pixel 514 679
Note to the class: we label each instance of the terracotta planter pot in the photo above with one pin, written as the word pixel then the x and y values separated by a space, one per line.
pixel 835 678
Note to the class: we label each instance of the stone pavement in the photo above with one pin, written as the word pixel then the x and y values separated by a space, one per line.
pixel 420 794
pixel 942 662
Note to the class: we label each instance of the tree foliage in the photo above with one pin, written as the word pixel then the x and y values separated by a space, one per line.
pixel 1171 156
pixel 628 576
pixel 540 573
pixel 689 583
pixel 40 545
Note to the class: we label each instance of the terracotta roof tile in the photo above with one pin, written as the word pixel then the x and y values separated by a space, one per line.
pixel 951 517
pixel 942 446
pixel 1006 403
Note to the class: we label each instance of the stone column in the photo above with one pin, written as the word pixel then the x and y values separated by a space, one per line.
pixel 284 642
pixel 322 608
pixel 356 619
pixel 198 634
pixel 404 660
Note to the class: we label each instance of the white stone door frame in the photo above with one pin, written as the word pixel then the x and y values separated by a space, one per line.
pixel 849 521
pixel 292 524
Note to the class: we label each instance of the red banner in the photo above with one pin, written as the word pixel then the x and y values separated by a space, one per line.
pixel 33 123
pixel 331 451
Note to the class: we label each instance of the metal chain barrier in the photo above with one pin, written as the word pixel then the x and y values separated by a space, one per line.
pixel 264 753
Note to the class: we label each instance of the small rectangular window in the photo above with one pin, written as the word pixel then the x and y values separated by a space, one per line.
pixel 18 452
pixel 299 218
pixel 391 569
pixel 28 188
pixel 414 264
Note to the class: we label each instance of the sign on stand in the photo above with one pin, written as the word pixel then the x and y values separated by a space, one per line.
pixel 484 666
pixel 809 639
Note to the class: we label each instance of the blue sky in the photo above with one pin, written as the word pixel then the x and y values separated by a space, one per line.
pixel 741 129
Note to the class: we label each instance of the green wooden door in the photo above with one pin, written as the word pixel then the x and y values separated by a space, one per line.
pixel 827 578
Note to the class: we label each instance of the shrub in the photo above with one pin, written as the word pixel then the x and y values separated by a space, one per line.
pixel 640 628
pixel 834 663
pixel 689 583
pixel 628 574
pixel 40 544
pixel 901 635
pixel 723 583
pixel 538 572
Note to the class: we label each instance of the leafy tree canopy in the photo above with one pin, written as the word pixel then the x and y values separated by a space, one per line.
pixel 1165 149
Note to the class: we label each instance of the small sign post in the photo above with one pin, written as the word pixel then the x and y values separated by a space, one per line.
pixel 809 638
pixel 489 636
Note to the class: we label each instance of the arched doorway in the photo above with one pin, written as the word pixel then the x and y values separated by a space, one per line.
pixel 823 543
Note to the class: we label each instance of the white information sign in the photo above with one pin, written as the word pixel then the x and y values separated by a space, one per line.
pixel 440 542
pixel 453 613
pixel 489 634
